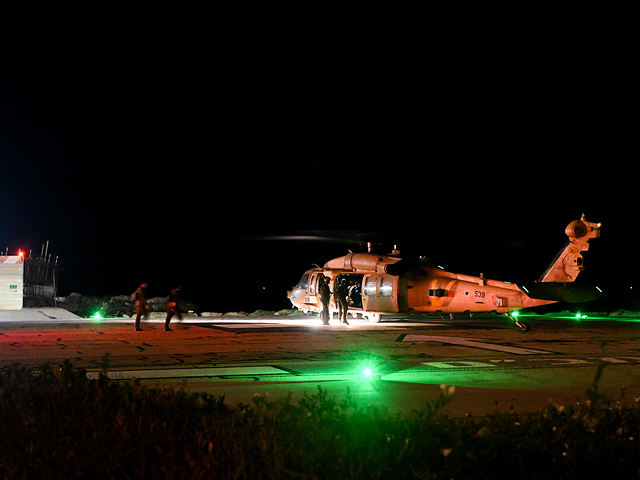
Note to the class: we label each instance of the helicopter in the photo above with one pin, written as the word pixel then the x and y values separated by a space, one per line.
pixel 379 285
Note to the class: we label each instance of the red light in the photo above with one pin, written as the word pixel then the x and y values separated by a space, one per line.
pixel 21 253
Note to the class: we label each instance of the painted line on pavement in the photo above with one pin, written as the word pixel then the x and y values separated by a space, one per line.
pixel 465 342
pixel 191 372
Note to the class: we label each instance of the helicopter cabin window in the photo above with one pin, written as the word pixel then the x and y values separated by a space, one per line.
pixel 304 282
pixel 312 284
pixel 386 286
pixel 370 287
pixel 438 292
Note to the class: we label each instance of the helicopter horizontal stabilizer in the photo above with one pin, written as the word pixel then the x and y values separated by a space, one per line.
pixel 562 292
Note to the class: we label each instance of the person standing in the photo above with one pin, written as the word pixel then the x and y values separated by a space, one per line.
pixel 340 297
pixel 142 308
pixel 325 298
pixel 172 307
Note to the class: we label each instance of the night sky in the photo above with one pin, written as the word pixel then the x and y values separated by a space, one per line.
pixel 229 160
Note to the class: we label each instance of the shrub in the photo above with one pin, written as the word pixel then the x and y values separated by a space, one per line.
pixel 59 424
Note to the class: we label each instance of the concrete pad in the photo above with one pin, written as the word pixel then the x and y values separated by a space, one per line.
pixel 41 314
pixel 490 367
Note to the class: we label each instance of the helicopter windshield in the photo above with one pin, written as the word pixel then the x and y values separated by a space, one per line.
pixel 304 282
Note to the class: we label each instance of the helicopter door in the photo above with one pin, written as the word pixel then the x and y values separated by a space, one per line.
pixel 313 288
pixel 380 293
pixel 309 287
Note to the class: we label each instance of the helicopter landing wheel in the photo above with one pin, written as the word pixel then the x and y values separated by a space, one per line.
pixel 523 326
pixel 374 317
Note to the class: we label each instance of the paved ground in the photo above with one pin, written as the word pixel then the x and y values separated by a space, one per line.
pixel 491 364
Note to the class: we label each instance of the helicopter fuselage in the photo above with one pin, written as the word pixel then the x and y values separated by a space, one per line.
pixel 385 284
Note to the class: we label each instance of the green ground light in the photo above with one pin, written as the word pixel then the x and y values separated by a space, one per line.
pixel 633 317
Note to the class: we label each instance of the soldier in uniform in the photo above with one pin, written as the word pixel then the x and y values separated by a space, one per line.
pixel 325 298
pixel 340 297
pixel 355 298
pixel 172 307
pixel 141 305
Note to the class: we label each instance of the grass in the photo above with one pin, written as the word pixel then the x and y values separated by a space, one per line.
pixel 59 424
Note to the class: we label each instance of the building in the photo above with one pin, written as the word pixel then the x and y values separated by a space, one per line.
pixel 27 282
pixel 11 282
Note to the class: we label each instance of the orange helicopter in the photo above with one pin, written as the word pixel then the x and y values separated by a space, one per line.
pixel 389 284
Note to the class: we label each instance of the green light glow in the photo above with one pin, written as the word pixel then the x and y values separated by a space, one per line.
pixel 634 318
pixel 367 372
pixel 516 313
pixel 97 316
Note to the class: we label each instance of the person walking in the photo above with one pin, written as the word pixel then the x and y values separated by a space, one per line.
pixel 340 297
pixel 325 298
pixel 142 308
pixel 172 307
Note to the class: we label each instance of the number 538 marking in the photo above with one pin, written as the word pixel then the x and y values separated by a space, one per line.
pixel 480 294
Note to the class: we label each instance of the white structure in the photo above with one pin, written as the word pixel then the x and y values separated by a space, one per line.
pixel 11 282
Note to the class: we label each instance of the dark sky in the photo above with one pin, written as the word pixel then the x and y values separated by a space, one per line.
pixel 187 155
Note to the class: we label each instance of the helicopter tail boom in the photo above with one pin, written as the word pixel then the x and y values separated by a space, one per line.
pixel 569 261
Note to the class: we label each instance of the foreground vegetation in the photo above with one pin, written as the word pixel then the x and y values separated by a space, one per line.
pixel 59 424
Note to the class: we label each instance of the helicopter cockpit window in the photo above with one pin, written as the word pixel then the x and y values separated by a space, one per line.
pixel 304 282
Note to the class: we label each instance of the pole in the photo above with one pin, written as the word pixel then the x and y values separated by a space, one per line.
pixel 55 293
